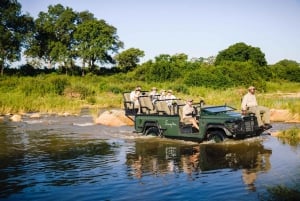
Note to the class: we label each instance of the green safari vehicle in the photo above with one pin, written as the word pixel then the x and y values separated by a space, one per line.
pixel 216 123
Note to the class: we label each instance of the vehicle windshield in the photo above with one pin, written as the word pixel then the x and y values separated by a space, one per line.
pixel 218 109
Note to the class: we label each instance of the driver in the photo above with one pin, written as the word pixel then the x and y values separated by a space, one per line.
pixel 187 112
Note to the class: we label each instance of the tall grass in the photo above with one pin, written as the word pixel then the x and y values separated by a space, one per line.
pixel 290 136
pixel 60 93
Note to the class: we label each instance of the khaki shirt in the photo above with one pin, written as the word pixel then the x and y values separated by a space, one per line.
pixel 187 110
pixel 249 100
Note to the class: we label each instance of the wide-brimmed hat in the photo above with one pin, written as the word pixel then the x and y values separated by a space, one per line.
pixel 251 87
pixel 154 88
pixel 170 91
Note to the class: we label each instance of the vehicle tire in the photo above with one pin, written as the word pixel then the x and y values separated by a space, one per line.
pixel 152 131
pixel 216 136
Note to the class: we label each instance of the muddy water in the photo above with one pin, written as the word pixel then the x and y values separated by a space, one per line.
pixel 70 158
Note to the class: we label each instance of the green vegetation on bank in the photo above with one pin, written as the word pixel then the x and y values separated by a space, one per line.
pixel 291 136
pixel 61 93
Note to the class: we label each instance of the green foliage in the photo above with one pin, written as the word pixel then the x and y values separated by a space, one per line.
pixel 61 35
pixel 242 53
pixel 36 87
pixel 95 40
pixel 286 70
pixel 292 134
pixel 128 59
pixel 59 84
pixel 53 36
pixel 13 29
pixel 165 68
pixel 42 86
pixel 91 100
pixel 229 74
pixel 181 88
pixel 79 90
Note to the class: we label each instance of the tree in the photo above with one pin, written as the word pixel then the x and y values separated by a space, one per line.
pixel 13 29
pixel 287 70
pixel 96 41
pixel 165 67
pixel 52 40
pixel 128 59
pixel 242 53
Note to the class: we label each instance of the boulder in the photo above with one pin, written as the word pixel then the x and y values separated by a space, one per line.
pixel 35 116
pixel 113 118
pixel 16 118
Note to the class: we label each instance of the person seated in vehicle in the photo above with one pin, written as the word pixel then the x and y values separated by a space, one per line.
pixel 162 95
pixel 154 95
pixel 188 112
pixel 134 95
pixel 170 98
pixel 171 101
pixel 249 104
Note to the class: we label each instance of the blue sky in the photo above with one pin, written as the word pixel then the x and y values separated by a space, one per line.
pixel 198 28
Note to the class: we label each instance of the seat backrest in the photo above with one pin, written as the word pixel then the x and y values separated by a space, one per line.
pixel 180 112
pixel 128 104
pixel 162 107
pixel 146 105
pixel 126 96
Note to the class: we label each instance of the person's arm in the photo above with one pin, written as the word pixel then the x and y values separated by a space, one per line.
pixel 244 103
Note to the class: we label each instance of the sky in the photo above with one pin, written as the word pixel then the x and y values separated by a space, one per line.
pixel 198 28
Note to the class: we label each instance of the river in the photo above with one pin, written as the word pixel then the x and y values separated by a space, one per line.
pixel 70 158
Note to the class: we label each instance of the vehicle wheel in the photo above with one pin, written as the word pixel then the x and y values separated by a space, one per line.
pixel 152 131
pixel 216 136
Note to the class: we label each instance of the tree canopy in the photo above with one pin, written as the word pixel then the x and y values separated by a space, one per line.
pixel 129 59
pixel 13 28
pixel 62 35
pixel 242 53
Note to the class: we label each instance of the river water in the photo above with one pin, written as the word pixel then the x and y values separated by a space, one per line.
pixel 70 158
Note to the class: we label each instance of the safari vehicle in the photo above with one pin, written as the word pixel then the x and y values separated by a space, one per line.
pixel 216 123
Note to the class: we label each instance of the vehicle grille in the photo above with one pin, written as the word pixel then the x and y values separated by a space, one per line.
pixel 249 124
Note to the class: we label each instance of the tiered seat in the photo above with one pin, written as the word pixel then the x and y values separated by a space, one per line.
pixel 130 108
pixel 185 122
pixel 146 105
pixel 162 107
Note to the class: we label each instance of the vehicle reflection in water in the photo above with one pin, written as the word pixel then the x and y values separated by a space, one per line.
pixel 164 157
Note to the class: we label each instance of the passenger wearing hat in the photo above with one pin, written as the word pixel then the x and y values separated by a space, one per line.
pixel 170 98
pixel 154 94
pixel 134 95
pixel 187 113
pixel 249 104
pixel 162 94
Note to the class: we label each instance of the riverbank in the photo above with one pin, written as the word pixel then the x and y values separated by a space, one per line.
pixel 116 117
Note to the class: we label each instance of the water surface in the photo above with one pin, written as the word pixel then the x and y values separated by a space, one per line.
pixel 69 158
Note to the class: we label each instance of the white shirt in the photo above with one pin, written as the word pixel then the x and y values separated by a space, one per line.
pixel 134 97
pixel 169 99
pixel 249 100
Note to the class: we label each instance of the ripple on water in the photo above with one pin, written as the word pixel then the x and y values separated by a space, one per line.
pixel 66 159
